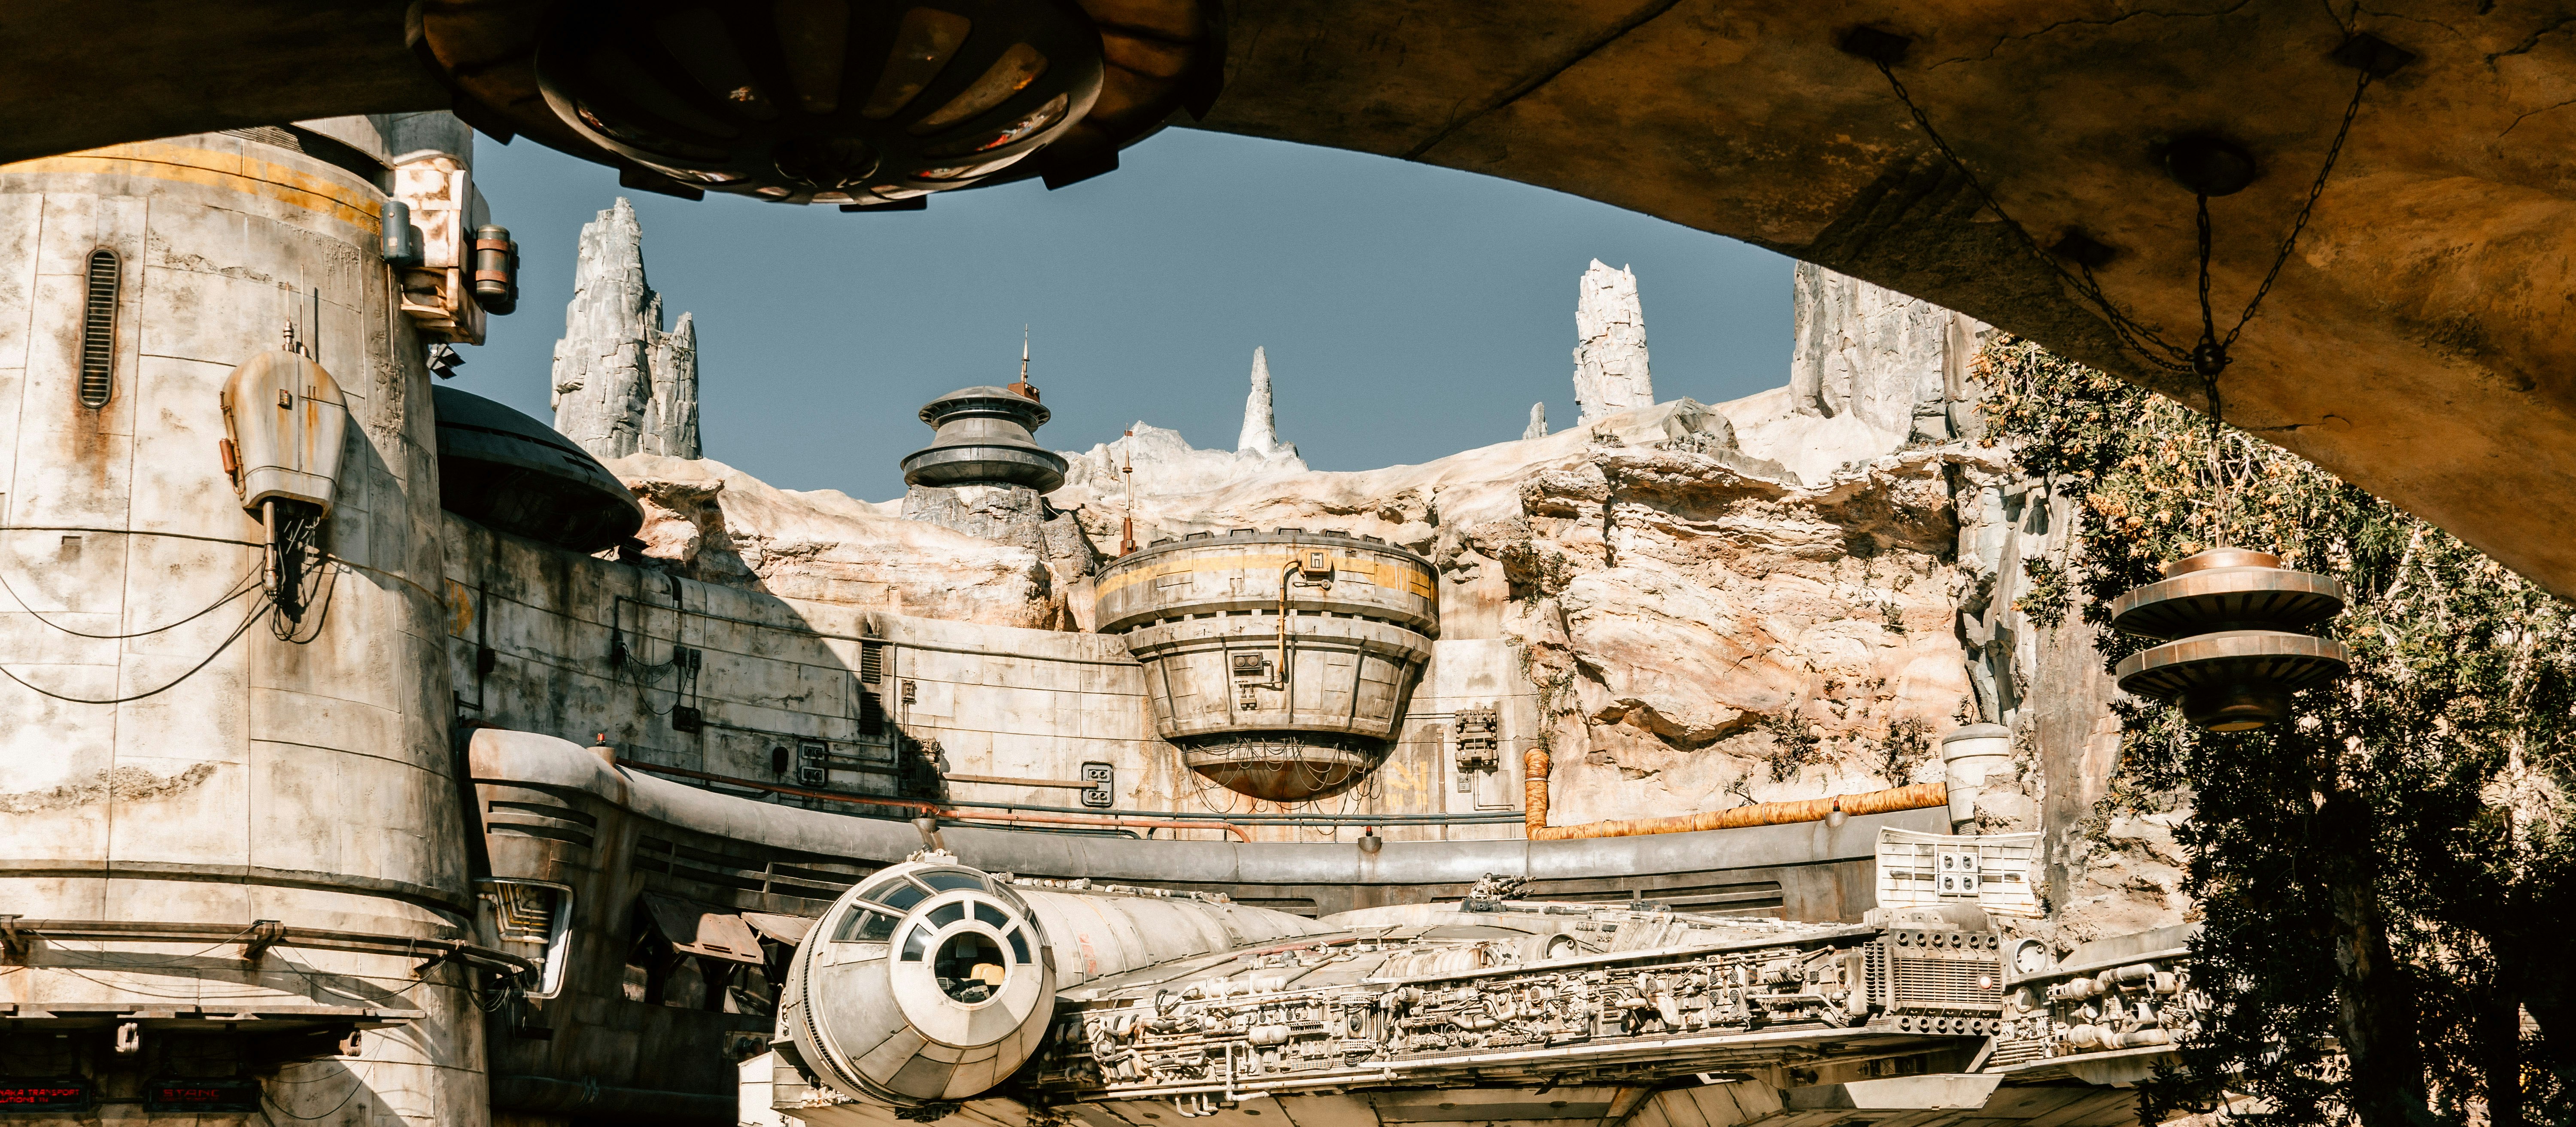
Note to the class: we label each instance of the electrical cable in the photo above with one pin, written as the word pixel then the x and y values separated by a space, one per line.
pixel 228 641
pixel 245 585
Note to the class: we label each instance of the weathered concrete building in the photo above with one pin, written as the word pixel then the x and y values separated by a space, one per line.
pixel 238 824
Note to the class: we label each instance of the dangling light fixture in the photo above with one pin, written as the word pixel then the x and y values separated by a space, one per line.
pixel 2229 619
pixel 868 104
pixel 2232 651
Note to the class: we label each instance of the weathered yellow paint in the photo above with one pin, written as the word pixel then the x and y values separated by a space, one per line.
pixel 161 160
pixel 460 609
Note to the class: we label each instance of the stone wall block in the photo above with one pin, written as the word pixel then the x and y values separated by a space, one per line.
pixel 21 225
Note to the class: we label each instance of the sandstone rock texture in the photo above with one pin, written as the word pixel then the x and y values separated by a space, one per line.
pixel 711 522
pixel 1705 628
pixel 622 384
pixel 1537 427
pixel 1610 370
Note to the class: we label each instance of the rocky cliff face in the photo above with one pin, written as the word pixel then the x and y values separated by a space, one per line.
pixel 1709 629
pixel 714 523
pixel 623 385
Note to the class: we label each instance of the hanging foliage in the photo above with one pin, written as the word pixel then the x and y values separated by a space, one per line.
pixel 2387 883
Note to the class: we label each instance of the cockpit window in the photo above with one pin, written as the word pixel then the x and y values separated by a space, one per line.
pixel 916 944
pixel 949 880
pixel 947 914
pixel 865 927
pixel 1019 946
pixel 898 894
pixel 991 915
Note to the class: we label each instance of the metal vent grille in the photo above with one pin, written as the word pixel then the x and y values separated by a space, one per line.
pixel 2009 1052
pixel 871 662
pixel 98 330
pixel 1947 984
pixel 871 713
pixel 527 912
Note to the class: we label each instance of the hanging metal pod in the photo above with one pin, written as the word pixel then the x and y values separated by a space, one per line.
pixel 2232 654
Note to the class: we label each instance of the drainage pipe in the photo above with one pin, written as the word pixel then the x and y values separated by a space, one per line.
pixel 1534 768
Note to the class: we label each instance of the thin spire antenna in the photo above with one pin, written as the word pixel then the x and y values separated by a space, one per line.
pixel 1127 535
pixel 1024 387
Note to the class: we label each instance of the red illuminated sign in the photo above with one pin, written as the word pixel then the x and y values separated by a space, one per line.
pixel 201 1095
pixel 44 1095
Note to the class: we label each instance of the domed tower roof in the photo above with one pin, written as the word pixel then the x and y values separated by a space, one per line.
pixel 984 438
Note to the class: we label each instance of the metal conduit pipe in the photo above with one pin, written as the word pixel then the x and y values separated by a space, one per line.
pixel 1158 817
pixel 1535 765
pixel 934 809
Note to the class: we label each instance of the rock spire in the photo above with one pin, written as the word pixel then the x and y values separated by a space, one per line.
pixel 1260 426
pixel 1610 373
pixel 1260 437
pixel 1537 427
pixel 622 383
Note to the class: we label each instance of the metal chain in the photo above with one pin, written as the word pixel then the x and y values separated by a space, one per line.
pixel 2135 335
pixel 2208 358
pixel 2315 190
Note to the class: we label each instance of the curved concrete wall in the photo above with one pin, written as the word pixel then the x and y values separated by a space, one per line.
pixel 305 781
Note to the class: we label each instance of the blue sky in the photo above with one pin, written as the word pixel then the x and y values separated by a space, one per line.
pixel 1408 311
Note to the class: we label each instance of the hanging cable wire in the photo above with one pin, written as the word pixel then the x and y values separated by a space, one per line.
pixel 227 643
pixel 248 583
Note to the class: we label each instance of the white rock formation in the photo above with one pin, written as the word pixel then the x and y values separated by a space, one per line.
pixel 1872 371
pixel 1877 354
pixel 622 384
pixel 1260 425
pixel 1537 427
pixel 1165 464
pixel 1610 373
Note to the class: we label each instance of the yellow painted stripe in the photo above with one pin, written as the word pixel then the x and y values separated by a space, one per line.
pixel 1391 574
pixel 160 160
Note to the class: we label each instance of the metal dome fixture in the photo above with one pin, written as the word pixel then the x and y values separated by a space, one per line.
pixel 984 439
pixel 822 101
pixel 2232 655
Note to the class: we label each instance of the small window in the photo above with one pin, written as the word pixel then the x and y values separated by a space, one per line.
pixel 865 927
pixel 916 944
pixel 949 880
pixel 897 894
pixel 98 330
pixel 1019 946
pixel 947 914
pixel 991 915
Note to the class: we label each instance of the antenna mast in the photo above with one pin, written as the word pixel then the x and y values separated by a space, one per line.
pixel 1127 535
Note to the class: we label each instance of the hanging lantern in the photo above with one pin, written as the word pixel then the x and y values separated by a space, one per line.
pixel 868 104
pixel 2229 621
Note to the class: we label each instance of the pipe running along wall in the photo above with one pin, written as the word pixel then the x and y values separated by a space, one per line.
pixel 1534 797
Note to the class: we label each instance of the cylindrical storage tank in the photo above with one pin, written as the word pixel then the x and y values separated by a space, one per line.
pixel 192 777
pixel 932 981
pixel 1279 662
pixel 1967 757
